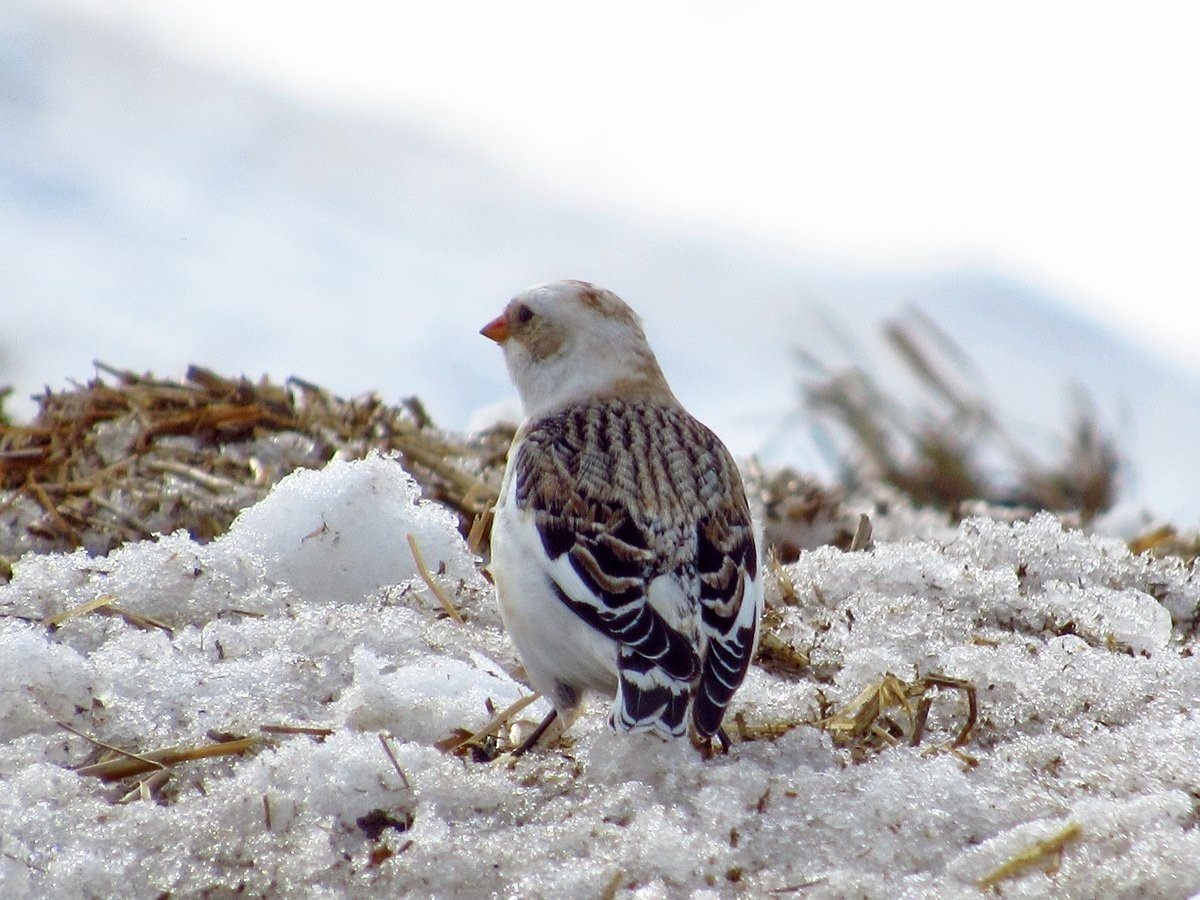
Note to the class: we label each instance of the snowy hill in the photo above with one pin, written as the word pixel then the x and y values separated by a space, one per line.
pixel 153 214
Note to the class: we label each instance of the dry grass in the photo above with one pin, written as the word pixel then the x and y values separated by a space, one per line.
pixel 128 455
pixel 893 711
pixel 1167 541
pixel 949 447
pixel 1045 855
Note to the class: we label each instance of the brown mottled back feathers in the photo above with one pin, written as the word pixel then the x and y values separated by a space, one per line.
pixel 631 492
pixel 615 451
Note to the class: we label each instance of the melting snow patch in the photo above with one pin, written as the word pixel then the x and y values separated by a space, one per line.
pixel 309 617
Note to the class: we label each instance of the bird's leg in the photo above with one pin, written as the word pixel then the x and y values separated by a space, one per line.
pixel 705 744
pixel 536 735
pixel 723 738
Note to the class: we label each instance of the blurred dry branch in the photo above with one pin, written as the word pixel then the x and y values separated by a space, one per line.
pixel 799 513
pixel 950 448
pixel 127 455
pixel 1165 541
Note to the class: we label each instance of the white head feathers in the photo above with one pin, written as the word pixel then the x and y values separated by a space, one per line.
pixel 570 341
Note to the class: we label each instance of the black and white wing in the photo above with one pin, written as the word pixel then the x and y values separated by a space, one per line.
pixel 648 539
pixel 731 605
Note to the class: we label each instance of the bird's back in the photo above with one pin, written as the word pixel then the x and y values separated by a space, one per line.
pixel 647 535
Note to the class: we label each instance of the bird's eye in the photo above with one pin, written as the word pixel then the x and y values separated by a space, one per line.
pixel 524 313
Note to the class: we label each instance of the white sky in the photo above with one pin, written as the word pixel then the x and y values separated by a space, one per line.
pixel 1055 141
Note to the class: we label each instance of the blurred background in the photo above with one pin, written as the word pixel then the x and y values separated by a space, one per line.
pixel 986 216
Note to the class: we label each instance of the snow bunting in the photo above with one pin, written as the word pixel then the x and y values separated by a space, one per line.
pixel 623 552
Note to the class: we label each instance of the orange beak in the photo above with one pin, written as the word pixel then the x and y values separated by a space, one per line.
pixel 496 330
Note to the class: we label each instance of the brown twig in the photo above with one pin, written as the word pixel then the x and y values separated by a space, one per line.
pixel 427 577
pixel 492 726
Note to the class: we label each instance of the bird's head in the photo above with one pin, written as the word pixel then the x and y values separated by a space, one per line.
pixel 569 341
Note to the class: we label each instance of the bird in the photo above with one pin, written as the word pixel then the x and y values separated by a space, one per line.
pixel 623 550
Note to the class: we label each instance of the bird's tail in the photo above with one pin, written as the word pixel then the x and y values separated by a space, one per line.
pixel 648 698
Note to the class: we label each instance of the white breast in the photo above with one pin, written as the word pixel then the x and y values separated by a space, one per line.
pixel 556 646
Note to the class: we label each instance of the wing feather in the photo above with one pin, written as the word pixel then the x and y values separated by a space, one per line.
pixel 625 494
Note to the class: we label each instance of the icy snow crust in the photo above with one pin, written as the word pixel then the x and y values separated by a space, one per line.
pixel 310 612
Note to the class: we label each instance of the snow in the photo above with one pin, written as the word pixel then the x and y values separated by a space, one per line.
pixel 310 612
